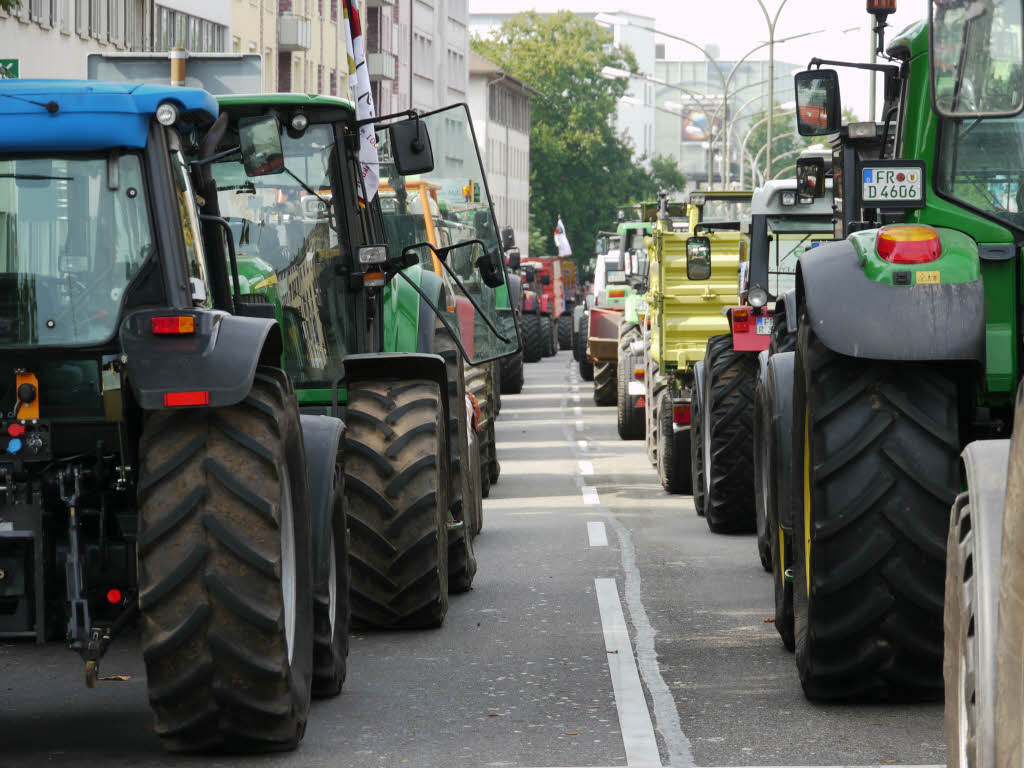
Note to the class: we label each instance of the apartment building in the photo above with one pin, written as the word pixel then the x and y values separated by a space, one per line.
pixel 500 106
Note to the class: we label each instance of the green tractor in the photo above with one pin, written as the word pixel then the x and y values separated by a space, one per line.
pixel 378 305
pixel 907 348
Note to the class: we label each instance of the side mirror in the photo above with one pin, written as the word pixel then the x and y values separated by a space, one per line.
pixel 810 177
pixel 508 238
pixel 490 266
pixel 260 143
pixel 512 258
pixel 545 279
pixel 698 258
pixel 410 147
pixel 819 109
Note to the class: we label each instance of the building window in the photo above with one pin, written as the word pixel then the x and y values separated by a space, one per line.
pixel 334 10
pixel 334 82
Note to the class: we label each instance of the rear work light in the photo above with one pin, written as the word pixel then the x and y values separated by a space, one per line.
pixel 909 244
pixel 173 325
pixel 182 399
pixel 681 414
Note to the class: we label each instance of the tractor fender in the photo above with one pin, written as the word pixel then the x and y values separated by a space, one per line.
pixel 778 372
pixel 698 387
pixel 430 284
pixel 858 317
pixel 322 438
pixel 220 357
pixel 400 365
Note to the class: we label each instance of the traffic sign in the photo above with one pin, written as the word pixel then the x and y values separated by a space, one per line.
pixel 8 68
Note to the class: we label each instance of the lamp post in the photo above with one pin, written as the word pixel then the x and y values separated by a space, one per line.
pixel 769 118
pixel 771 21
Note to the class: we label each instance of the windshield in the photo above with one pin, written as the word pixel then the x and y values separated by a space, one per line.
pixel 450 208
pixel 788 239
pixel 732 209
pixel 74 231
pixel 980 164
pixel 289 250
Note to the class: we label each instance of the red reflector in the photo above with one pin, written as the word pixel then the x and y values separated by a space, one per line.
pixel 681 414
pixel 114 596
pixel 173 325
pixel 177 399
pixel 640 402
pixel 16 430
pixel 908 244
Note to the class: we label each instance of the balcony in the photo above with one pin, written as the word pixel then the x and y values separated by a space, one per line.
pixel 293 33
pixel 381 65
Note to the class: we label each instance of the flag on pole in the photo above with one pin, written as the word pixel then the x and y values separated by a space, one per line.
pixel 359 84
pixel 562 240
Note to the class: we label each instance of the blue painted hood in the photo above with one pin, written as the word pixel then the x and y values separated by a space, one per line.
pixel 92 115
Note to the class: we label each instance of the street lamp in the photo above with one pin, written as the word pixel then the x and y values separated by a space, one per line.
pixel 769 118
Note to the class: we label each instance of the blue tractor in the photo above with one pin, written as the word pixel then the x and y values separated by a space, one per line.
pixel 154 465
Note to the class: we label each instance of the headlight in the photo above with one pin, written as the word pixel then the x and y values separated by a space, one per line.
pixel 789 198
pixel 373 254
pixel 757 297
pixel 299 122
pixel 167 114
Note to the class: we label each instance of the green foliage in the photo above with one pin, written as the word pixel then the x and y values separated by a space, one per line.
pixel 9 5
pixel 849 116
pixel 666 174
pixel 580 169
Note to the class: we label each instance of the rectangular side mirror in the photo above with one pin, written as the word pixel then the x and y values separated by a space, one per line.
pixel 819 110
pixel 698 258
pixel 410 147
pixel 260 143
pixel 508 238
pixel 512 258
pixel 810 177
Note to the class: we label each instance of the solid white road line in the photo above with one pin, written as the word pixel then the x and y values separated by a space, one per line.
pixel 634 719
pixel 596 532
pixel 590 497
pixel 586 467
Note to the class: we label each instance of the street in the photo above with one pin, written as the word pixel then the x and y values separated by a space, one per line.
pixel 606 627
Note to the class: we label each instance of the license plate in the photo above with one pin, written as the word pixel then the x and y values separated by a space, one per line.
pixel 892 185
pixel 765 325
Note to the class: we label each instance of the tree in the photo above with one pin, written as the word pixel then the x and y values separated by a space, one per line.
pixel 786 142
pixel 580 169
pixel 9 5
pixel 666 174
pixel 849 116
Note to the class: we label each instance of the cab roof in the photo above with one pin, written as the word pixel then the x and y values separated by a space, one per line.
pixel 284 99
pixel 767 200
pixel 89 115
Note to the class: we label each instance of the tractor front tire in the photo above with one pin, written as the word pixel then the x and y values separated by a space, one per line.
pixel 673 451
pixel 225 572
pixel 332 609
pixel 698 482
pixel 533 339
pixel 547 332
pixel 876 469
pixel 605 385
pixel 631 419
pixel 730 379
pixel 565 330
pixel 396 494
pixel 512 378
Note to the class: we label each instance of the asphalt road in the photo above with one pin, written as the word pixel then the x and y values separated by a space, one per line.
pixel 606 627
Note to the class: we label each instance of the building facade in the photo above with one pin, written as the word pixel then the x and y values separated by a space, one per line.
pixel 53 38
pixel 311 55
pixel 500 106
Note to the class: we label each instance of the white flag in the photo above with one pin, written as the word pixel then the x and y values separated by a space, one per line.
pixel 562 240
pixel 359 84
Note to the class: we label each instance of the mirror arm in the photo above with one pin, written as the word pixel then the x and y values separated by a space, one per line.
pixel 456 337
pixel 215 157
pixel 888 69
pixel 378 122
pixel 502 337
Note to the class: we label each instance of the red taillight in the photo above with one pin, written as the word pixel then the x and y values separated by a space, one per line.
pixel 681 414
pixel 180 399
pixel 874 6
pixel 617 293
pixel 909 244
pixel 740 320
pixel 174 324
pixel 638 374
pixel 114 596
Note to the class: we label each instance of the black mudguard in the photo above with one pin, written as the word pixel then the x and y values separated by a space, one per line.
pixel 786 306
pixel 322 439
pixel 782 367
pixel 858 317
pixel 220 357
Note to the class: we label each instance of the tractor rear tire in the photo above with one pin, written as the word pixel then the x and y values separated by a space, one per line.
pixel 698 483
pixel 533 339
pixel 461 559
pixel 876 468
pixel 605 385
pixel 585 364
pixel 773 482
pixel 332 609
pixel 512 378
pixel 729 381
pixel 547 332
pixel 565 330
pixel 673 451
pixel 631 419
pixel 396 494
pixel 225 572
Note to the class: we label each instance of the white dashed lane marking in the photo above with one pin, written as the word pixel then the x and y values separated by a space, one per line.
pixel 596 532
pixel 590 497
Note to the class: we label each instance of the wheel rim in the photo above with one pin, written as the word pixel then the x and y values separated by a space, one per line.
pixel 332 579
pixel 288 585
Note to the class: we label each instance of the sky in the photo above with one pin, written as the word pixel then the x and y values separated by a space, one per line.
pixel 736 26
